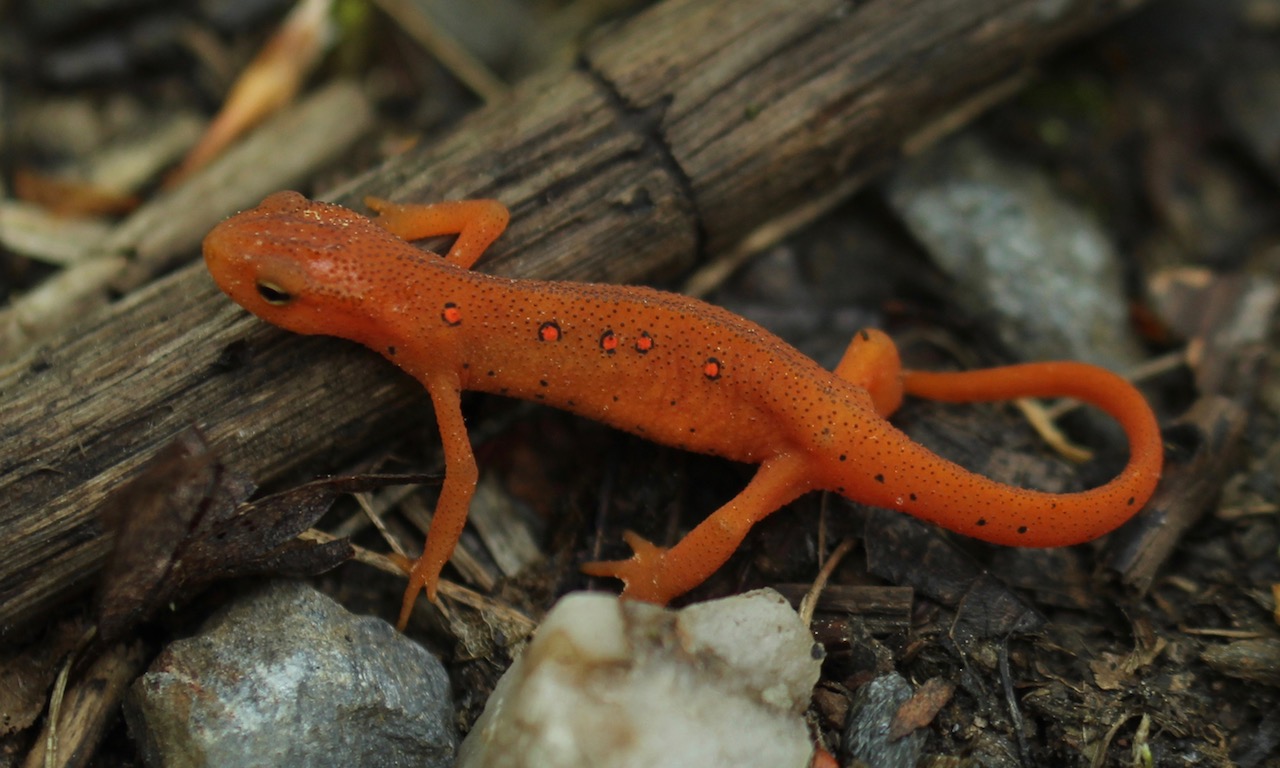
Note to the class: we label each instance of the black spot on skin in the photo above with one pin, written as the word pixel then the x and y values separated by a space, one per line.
pixel 1022 529
pixel 880 479
pixel 542 382
pixel 391 351
pixel 912 496
pixel 1130 501
pixel 843 457
pixel 865 336
pixel 982 521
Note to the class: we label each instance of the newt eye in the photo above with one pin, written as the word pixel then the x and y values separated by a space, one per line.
pixel 273 294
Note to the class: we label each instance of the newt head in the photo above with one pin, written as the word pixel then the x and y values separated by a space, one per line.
pixel 306 266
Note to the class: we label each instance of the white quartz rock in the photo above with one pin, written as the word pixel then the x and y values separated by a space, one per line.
pixel 632 685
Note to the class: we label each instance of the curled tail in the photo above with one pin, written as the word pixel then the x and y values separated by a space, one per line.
pixel 1018 516
pixel 909 477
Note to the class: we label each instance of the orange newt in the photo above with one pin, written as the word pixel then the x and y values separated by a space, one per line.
pixel 669 368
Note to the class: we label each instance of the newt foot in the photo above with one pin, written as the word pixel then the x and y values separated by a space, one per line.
pixel 420 577
pixel 641 573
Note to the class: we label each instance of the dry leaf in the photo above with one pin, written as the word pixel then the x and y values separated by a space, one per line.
pixel 269 82
pixel 181 524
pixel 918 711
pixel 152 516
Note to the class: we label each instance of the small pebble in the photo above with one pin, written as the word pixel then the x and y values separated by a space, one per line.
pixel 632 685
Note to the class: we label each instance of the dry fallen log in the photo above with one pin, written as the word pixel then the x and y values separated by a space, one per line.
pixel 677 134
pixel 879 610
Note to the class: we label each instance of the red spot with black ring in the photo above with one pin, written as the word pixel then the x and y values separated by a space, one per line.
pixel 549 331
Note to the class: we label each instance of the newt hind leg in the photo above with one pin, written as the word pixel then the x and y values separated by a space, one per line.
pixel 871 361
pixel 656 574
pixel 477 223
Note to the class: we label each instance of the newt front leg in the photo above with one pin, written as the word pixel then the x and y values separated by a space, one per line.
pixel 460 476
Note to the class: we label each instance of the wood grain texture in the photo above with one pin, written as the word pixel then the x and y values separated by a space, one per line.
pixel 165 230
pixel 676 135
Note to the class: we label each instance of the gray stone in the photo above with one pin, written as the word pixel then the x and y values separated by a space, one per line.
pixel 867 734
pixel 1037 267
pixel 286 676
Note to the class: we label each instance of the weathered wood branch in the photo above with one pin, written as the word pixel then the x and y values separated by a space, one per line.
pixel 677 134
